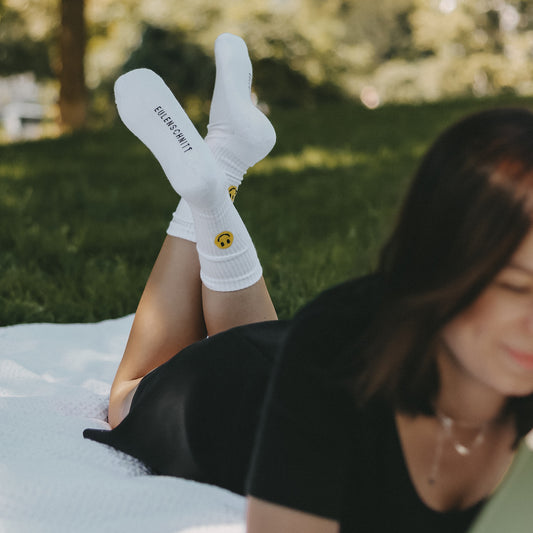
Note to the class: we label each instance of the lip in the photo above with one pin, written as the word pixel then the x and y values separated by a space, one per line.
pixel 524 359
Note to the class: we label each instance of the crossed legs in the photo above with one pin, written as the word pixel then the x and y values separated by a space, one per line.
pixel 201 284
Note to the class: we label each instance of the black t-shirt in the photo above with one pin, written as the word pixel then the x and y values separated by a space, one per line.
pixel 315 450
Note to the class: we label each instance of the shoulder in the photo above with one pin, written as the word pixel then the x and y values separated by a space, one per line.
pixel 334 320
pixel 356 296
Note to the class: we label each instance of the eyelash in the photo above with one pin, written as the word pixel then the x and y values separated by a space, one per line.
pixel 518 289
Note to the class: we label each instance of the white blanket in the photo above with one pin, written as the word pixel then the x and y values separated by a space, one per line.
pixel 54 382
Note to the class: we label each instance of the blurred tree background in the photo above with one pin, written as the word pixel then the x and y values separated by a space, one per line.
pixel 304 51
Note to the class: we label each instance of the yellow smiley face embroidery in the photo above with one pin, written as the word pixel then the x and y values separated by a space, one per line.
pixel 224 240
pixel 232 192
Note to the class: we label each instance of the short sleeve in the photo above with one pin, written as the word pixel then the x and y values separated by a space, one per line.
pixel 303 443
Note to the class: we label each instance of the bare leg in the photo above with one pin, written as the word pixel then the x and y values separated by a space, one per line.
pixel 175 309
pixel 168 318
pixel 224 310
pixel 171 315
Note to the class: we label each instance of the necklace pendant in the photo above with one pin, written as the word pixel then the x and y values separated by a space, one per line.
pixel 461 449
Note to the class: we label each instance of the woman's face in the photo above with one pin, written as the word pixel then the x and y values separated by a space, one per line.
pixel 492 340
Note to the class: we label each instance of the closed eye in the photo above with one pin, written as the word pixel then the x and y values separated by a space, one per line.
pixel 518 289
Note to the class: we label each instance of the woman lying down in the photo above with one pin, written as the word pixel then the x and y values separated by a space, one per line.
pixel 393 402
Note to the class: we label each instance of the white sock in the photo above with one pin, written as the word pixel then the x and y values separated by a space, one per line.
pixel 181 224
pixel 239 135
pixel 148 108
pixel 228 260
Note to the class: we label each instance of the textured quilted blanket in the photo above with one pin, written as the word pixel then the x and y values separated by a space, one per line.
pixel 54 382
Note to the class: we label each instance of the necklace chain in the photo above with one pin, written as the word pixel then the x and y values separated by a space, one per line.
pixel 447 425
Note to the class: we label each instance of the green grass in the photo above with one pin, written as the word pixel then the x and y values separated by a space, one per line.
pixel 82 217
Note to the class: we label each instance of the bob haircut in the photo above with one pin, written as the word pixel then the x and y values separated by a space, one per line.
pixel 469 207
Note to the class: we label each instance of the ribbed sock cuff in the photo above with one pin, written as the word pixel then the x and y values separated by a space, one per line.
pixel 228 259
pixel 231 273
pixel 182 224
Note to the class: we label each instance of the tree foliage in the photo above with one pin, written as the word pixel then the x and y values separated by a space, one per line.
pixel 184 65
pixel 399 50
pixel 22 46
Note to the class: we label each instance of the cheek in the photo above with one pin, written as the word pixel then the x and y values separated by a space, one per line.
pixel 469 345
pixel 476 328
pixel 468 327
pixel 463 338
pixel 476 340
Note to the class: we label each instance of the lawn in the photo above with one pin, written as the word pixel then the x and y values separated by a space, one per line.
pixel 82 217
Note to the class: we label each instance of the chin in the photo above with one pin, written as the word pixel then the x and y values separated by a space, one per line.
pixel 517 390
pixel 518 394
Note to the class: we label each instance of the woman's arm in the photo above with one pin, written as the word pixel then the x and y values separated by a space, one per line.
pixel 265 517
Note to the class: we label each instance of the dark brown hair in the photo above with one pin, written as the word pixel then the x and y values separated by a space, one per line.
pixel 469 207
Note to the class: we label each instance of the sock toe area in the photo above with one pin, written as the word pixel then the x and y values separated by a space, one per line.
pixel 141 77
pixel 226 42
pixel 149 109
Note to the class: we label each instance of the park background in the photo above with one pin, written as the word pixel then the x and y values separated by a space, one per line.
pixel 355 89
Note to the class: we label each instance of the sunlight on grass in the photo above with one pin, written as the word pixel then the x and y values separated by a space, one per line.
pixel 311 157
pixel 319 158
pixel 12 171
pixel 15 200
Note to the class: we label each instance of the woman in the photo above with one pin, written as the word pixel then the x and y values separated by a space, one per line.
pixel 392 402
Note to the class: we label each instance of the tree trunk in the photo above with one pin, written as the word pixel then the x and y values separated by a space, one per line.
pixel 72 92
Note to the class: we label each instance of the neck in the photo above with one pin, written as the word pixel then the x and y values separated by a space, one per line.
pixel 462 397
